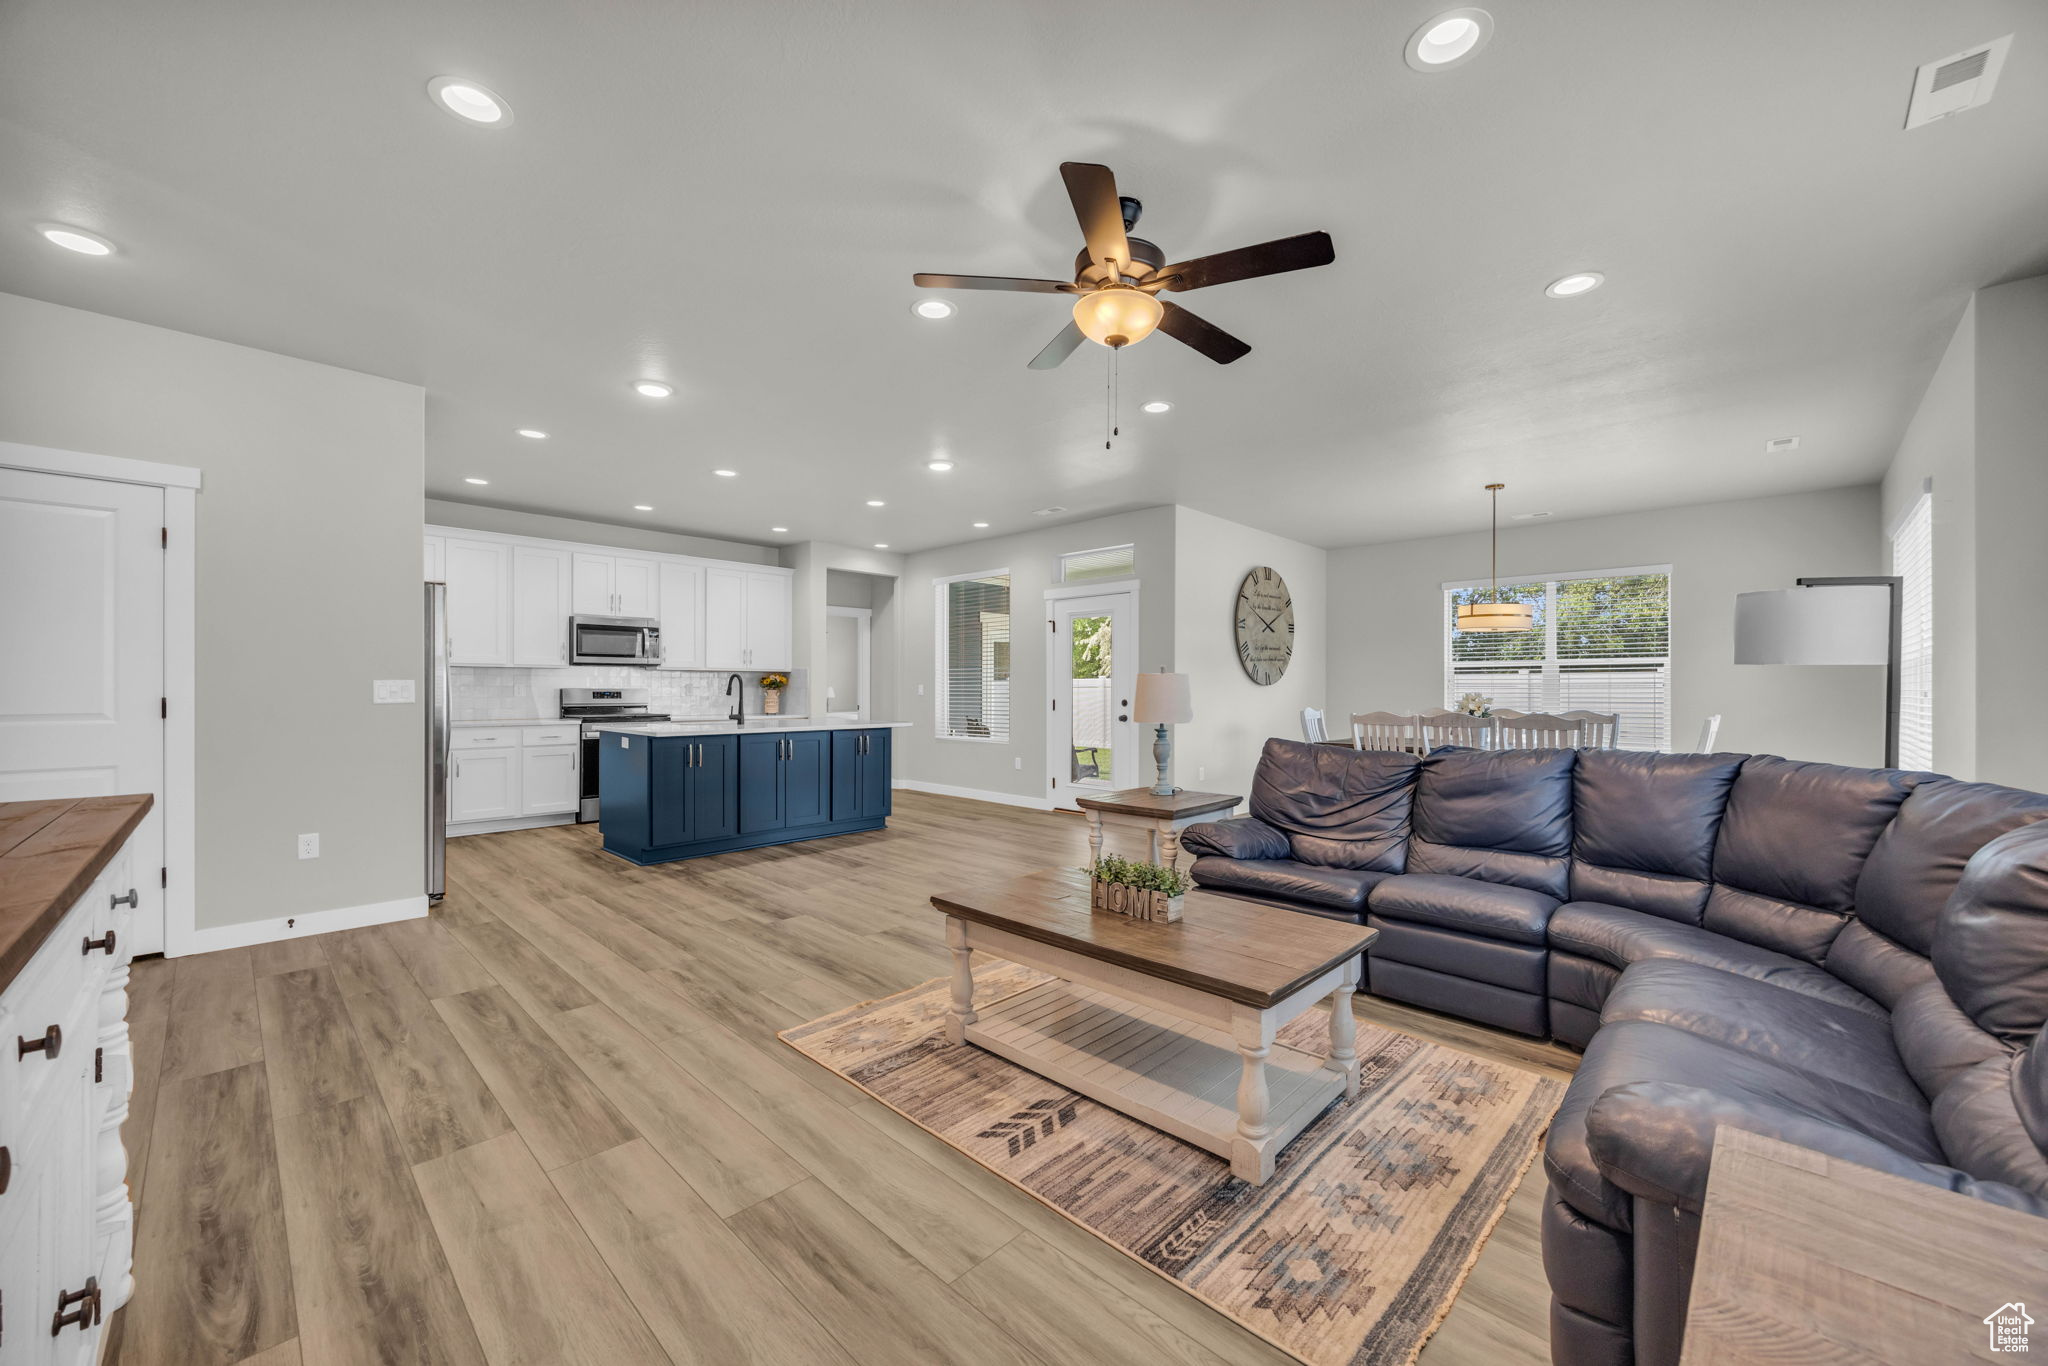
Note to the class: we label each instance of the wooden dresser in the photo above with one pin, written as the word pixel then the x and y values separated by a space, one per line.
pixel 66 1227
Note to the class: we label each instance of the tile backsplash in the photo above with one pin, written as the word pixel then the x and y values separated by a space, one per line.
pixel 529 694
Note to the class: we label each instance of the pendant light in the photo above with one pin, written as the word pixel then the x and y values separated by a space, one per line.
pixel 1496 615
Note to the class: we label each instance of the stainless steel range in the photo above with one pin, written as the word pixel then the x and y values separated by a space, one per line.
pixel 600 704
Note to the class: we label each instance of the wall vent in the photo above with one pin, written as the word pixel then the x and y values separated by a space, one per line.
pixel 1955 83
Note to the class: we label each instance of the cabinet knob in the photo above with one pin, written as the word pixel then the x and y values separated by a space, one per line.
pixel 105 941
pixel 52 1040
pixel 85 1315
pixel 131 901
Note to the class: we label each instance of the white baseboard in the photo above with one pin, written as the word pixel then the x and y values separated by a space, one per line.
pixel 499 827
pixel 248 932
pixel 974 794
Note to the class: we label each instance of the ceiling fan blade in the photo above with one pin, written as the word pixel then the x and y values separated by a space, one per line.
pixel 1247 263
pixel 1205 336
pixel 1059 348
pixel 992 282
pixel 1093 190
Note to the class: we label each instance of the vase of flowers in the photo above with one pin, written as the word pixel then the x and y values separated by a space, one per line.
pixel 1476 704
pixel 1142 891
pixel 771 692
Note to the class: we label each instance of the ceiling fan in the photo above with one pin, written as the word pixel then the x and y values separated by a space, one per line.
pixel 1116 276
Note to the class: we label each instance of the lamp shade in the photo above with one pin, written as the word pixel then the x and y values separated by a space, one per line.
pixel 1163 700
pixel 1825 624
pixel 1117 315
pixel 1496 616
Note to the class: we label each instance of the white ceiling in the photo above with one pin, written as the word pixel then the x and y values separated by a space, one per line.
pixel 733 196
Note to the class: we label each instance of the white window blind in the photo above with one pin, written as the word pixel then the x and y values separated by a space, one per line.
pixel 1110 562
pixel 1601 642
pixel 974 657
pixel 1913 561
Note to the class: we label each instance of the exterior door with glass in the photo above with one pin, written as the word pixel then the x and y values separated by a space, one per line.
pixel 1093 666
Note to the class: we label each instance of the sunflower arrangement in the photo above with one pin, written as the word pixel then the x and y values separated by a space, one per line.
pixel 771 692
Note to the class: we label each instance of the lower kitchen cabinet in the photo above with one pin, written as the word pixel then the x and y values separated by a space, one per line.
pixel 500 774
pixel 484 785
pixel 695 790
pixel 549 780
pixel 785 781
pixel 860 774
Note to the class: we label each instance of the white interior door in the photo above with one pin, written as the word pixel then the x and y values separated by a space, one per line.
pixel 1091 668
pixel 82 664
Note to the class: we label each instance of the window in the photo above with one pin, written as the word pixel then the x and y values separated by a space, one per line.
pixel 1601 642
pixel 1110 562
pixel 1913 561
pixel 974 656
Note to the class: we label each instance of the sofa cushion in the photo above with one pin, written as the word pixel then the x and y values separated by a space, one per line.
pixel 1583 982
pixel 1238 837
pixel 1755 1017
pixel 1650 813
pixel 1461 903
pixel 1991 940
pixel 1339 889
pixel 1937 1042
pixel 1516 801
pixel 1341 808
pixel 1919 858
pixel 1674 898
pixel 1618 936
pixel 1628 1052
pixel 1537 872
pixel 1519 967
pixel 1876 966
pixel 1979 1120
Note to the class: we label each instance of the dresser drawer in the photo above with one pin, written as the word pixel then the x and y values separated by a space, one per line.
pixel 551 735
pixel 484 737
pixel 59 987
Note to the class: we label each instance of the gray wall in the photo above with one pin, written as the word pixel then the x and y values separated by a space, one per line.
pixel 1386 644
pixel 510 522
pixel 308 575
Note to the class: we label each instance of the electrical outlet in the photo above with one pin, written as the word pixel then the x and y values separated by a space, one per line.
pixel 1018 763
pixel 309 846
pixel 391 690
pixel 920 690
pixel 1201 772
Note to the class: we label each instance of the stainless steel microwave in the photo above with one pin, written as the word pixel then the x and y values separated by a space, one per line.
pixel 615 640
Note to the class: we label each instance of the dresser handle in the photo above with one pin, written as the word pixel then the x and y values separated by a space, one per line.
pixel 105 941
pixel 131 901
pixel 52 1040
pixel 85 1316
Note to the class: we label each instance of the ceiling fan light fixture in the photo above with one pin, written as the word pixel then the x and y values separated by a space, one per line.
pixel 1450 39
pixel 1117 315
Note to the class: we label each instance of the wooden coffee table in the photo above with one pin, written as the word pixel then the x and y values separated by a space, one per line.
pixel 1171 1024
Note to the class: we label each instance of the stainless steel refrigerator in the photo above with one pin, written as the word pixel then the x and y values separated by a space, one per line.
pixel 437 740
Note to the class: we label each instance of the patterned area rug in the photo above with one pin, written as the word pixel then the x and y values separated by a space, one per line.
pixel 1349 1256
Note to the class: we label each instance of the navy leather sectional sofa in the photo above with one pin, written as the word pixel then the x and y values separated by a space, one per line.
pixel 1854 960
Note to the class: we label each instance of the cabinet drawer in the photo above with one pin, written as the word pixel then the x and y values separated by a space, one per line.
pixel 551 735
pixel 483 737
pixel 52 990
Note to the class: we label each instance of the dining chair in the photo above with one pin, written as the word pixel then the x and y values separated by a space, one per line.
pixel 1457 728
pixel 1508 714
pixel 1312 728
pixel 1385 730
pixel 1536 730
pixel 1709 732
pixel 1602 728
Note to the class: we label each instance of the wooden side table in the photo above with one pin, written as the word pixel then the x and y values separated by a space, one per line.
pixel 1161 818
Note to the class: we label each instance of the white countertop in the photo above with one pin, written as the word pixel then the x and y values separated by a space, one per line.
pixel 753 724
pixel 517 721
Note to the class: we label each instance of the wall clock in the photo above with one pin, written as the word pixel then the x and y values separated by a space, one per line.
pixel 1265 626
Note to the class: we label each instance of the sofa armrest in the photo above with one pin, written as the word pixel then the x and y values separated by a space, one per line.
pixel 1245 837
pixel 1655 1140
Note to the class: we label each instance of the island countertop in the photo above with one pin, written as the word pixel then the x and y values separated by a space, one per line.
pixel 753 725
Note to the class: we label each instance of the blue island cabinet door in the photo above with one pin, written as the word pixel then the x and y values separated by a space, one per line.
pixel 874 774
pixel 846 775
pixel 807 778
pixel 669 779
pixel 715 789
pixel 760 783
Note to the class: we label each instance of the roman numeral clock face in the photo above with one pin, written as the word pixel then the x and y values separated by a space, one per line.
pixel 1265 626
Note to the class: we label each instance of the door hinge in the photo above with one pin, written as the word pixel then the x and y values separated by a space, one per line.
pixel 163 877
pixel 99 1065
pixel 1052 626
pixel 163 708
pixel 1052 783
pixel 166 537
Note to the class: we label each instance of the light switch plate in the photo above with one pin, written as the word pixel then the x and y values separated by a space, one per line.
pixel 391 690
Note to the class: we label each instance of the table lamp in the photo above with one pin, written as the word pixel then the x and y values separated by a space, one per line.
pixel 1163 700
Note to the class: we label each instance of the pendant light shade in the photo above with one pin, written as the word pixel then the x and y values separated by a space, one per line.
pixel 1496 615
pixel 1117 315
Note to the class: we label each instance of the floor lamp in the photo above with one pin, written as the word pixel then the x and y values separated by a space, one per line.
pixel 1851 620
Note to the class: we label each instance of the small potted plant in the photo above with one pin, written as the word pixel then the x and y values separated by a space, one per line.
pixel 1143 891
pixel 771 692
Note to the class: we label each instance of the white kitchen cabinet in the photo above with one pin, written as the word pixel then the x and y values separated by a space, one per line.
pixel 479 576
pixel 485 785
pixel 746 619
pixel 616 586
pixel 541 578
pixel 437 558
pixel 548 780
pixel 682 614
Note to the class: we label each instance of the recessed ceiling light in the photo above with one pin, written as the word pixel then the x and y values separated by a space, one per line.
pixel 532 433
pixel 75 239
pixel 1527 516
pixel 1449 40
pixel 476 481
pixel 652 388
pixel 1047 512
pixel 470 102
pixel 881 545
pixel 727 474
pixel 875 502
pixel 643 507
pixel 939 465
pixel 981 526
pixel 1158 406
pixel 1779 445
pixel 1585 282
pixel 933 309
pixel 780 530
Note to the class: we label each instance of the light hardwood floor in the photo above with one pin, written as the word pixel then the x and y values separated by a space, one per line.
pixel 552 1124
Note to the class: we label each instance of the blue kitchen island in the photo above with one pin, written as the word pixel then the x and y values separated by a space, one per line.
pixel 677 790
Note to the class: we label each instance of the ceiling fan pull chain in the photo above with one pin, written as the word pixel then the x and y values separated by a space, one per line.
pixel 1108 399
pixel 1116 391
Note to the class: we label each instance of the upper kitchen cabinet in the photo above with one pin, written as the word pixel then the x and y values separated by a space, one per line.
pixel 616 585
pixel 541 578
pixel 682 614
pixel 747 618
pixel 479 577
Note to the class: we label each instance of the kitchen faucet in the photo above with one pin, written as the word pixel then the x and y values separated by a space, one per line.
pixel 738 714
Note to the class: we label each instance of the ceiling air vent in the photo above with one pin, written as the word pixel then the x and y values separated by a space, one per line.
pixel 1956 83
